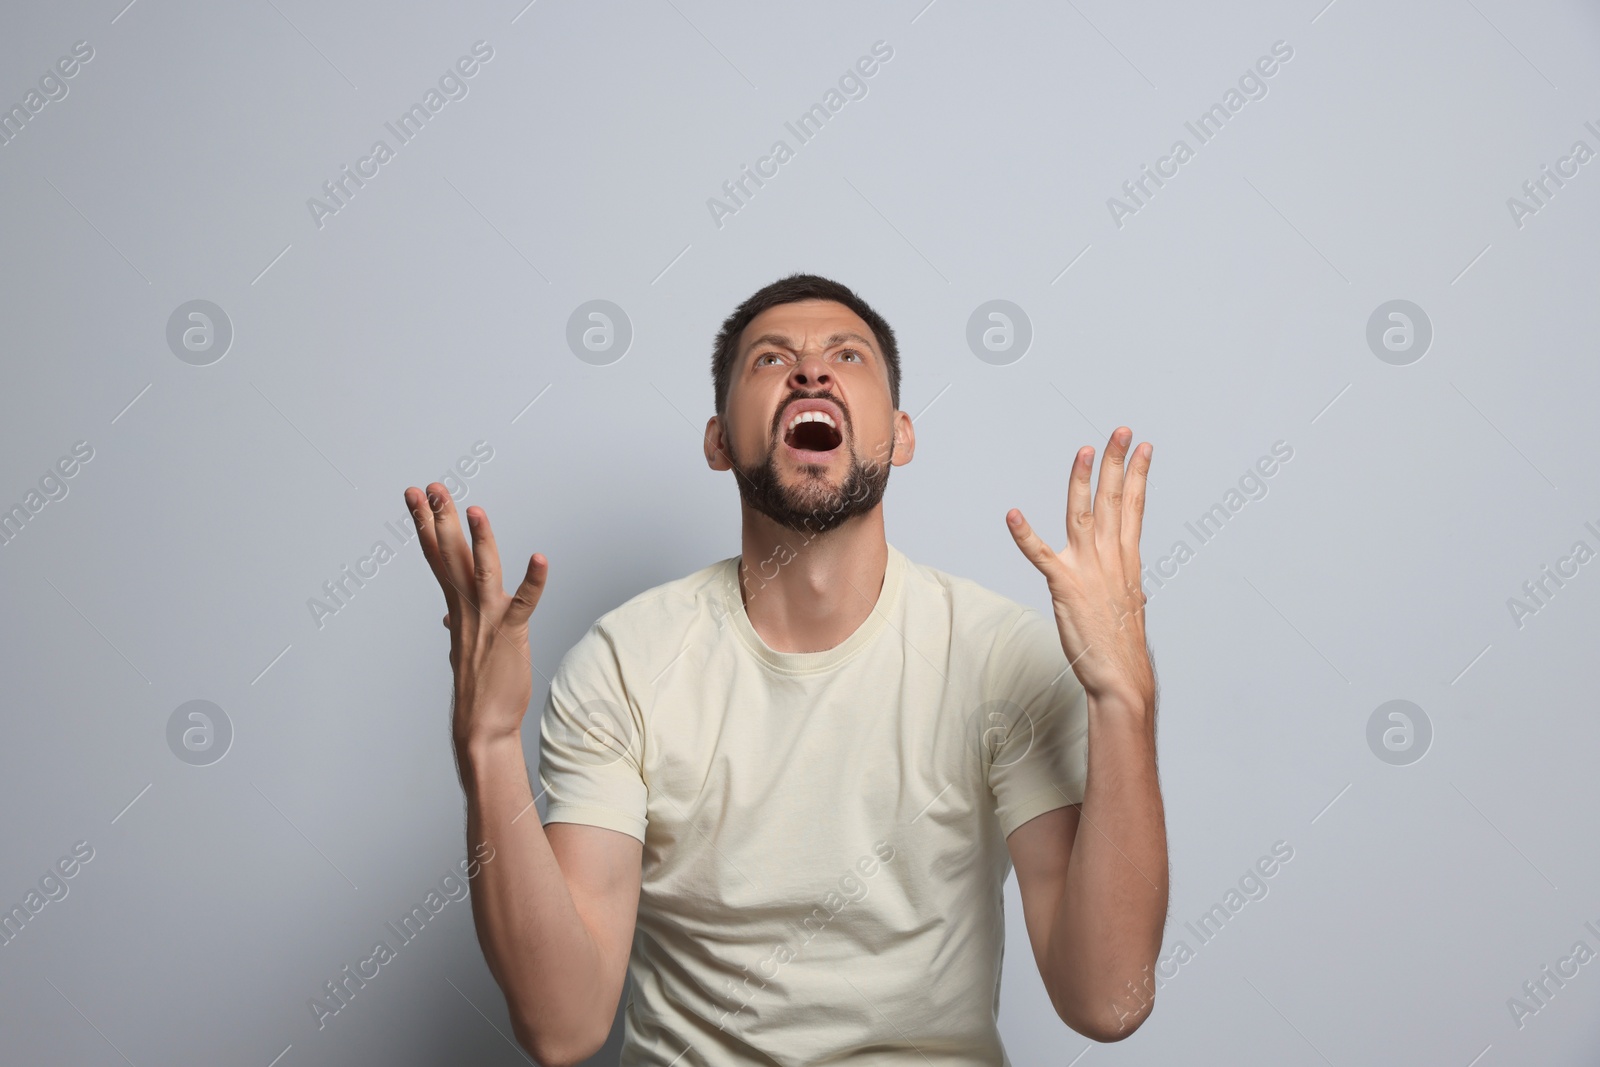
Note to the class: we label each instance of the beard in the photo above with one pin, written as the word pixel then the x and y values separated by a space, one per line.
pixel 813 506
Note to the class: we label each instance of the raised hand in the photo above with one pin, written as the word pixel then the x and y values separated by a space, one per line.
pixel 1094 580
pixel 488 627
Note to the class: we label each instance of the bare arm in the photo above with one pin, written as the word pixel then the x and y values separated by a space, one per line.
pixel 554 910
pixel 1095 896
pixel 1093 881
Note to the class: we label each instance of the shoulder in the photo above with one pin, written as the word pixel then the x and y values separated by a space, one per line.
pixel 643 627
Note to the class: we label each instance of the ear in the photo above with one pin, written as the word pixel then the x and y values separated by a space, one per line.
pixel 905 439
pixel 714 442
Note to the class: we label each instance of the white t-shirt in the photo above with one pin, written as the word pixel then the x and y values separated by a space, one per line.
pixel 824 832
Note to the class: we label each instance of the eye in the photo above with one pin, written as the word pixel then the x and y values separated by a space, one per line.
pixel 760 360
pixel 851 352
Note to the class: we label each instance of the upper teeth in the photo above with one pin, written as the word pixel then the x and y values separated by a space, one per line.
pixel 812 416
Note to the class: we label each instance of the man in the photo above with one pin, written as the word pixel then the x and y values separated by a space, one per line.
pixel 784 792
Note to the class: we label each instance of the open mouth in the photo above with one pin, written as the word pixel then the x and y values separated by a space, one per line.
pixel 813 431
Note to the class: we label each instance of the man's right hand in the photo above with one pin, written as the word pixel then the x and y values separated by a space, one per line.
pixel 488 628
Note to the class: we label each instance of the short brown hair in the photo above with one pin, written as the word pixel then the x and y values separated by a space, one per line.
pixel 790 290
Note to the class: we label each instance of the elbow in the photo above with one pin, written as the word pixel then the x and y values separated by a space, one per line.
pixel 1117 1022
pixel 555 1050
pixel 1108 1031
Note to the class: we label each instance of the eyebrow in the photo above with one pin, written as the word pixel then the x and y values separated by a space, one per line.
pixel 780 341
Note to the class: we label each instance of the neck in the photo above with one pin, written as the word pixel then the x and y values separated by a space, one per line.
pixel 808 592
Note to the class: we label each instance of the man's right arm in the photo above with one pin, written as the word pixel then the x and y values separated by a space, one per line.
pixel 554 912
pixel 554 909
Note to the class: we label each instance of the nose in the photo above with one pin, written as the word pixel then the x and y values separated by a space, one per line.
pixel 810 372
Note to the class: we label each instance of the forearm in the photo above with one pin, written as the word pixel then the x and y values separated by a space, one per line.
pixel 534 940
pixel 1110 919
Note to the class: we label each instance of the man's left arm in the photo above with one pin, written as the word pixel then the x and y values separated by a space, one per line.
pixel 1093 876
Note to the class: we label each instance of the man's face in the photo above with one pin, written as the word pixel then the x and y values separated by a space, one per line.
pixel 809 426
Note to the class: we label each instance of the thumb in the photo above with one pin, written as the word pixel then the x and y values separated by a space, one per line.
pixel 528 593
pixel 1032 545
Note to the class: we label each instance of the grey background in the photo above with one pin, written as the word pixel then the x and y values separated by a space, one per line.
pixel 1229 313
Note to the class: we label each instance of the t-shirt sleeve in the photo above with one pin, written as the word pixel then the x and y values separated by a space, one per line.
pixel 1036 741
pixel 591 739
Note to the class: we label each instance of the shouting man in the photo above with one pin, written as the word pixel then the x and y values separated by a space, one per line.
pixel 784 792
